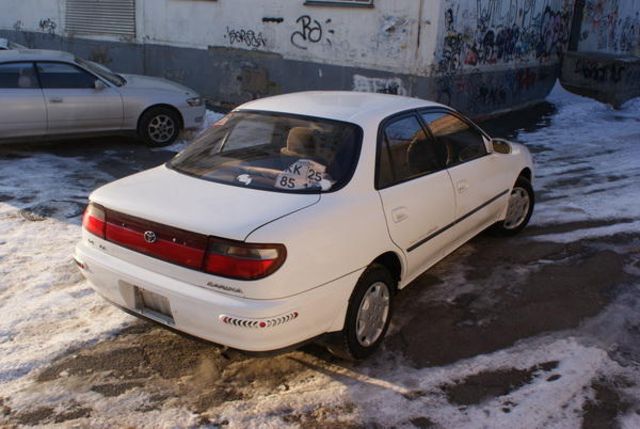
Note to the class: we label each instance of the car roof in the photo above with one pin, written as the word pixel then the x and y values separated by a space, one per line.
pixel 348 106
pixel 34 55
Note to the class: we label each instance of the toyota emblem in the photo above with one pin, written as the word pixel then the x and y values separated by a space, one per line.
pixel 150 237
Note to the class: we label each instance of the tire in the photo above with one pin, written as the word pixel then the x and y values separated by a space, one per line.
pixel 517 216
pixel 159 126
pixel 377 284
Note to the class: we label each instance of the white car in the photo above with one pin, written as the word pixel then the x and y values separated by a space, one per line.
pixel 301 215
pixel 7 44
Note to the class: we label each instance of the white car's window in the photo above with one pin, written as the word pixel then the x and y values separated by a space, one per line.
pixel 277 152
pixel 17 75
pixel 406 152
pixel 463 142
pixel 67 76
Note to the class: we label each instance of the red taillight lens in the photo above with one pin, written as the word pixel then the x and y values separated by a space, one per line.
pixel 243 261
pixel 94 220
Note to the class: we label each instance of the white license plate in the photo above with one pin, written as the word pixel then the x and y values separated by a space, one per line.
pixel 153 305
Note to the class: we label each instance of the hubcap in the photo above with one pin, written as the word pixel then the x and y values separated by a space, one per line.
pixel 372 314
pixel 161 128
pixel 518 209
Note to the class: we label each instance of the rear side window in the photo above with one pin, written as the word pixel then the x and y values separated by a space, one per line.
pixel 17 75
pixel 406 152
pixel 462 142
pixel 64 76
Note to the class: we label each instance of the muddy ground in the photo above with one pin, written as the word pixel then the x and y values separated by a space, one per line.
pixel 493 294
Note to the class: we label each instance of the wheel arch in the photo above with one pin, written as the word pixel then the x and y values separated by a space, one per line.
pixel 392 262
pixel 163 106
pixel 527 174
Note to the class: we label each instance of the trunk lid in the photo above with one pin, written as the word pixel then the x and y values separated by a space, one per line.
pixel 167 197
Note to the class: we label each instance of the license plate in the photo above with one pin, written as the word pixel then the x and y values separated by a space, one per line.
pixel 153 305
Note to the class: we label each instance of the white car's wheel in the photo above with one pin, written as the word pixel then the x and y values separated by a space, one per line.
pixel 159 126
pixel 519 209
pixel 368 315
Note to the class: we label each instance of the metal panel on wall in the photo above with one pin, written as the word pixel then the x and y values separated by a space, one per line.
pixel 113 17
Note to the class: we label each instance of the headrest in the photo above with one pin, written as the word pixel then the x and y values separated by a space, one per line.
pixel 300 142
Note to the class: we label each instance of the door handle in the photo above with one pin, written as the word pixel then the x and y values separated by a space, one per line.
pixel 462 186
pixel 399 214
pixel 56 100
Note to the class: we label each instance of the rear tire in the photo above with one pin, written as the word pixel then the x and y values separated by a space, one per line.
pixel 159 126
pixel 519 210
pixel 368 315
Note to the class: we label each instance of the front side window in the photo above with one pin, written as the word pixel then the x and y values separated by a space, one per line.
pixel 275 152
pixel 64 76
pixel 462 142
pixel 17 75
pixel 102 71
pixel 406 152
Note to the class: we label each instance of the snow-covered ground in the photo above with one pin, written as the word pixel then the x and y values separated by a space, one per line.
pixel 505 354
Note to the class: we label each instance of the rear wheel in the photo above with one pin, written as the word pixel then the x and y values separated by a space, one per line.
pixel 368 315
pixel 159 126
pixel 519 209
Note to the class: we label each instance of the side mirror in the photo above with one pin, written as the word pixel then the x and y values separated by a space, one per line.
pixel 501 146
pixel 99 85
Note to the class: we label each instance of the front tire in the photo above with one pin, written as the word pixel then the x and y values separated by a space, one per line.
pixel 519 209
pixel 159 126
pixel 368 315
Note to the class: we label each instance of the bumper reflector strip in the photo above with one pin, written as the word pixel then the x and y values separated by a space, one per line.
pixel 258 323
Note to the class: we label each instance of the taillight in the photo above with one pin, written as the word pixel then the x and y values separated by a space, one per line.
pixel 243 261
pixel 94 220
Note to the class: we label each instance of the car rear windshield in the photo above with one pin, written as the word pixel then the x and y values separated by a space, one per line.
pixel 274 152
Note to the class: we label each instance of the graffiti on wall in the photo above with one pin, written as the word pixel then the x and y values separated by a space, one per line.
pixel 393 86
pixel 599 71
pixel 488 32
pixel 607 26
pixel 310 31
pixel 48 25
pixel 248 38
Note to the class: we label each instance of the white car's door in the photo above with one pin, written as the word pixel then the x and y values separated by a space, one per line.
pixel 22 108
pixel 74 104
pixel 480 183
pixel 416 192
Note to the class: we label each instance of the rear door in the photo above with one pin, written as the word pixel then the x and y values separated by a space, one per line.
pixel 477 175
pixel 416 191
pixel 74 104
pixel 22 108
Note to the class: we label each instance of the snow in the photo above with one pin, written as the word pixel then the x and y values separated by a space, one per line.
pixel 587 169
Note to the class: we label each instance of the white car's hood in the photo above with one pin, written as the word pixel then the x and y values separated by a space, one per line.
pixel 171 198
pixel 135 81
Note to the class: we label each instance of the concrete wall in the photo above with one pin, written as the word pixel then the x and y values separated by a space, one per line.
pixel 480 56
pixel 611 26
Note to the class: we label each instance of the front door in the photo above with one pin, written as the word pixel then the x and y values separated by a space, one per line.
pixel 74 104
pixel 478 178
pixel 22 107
pixel 416 192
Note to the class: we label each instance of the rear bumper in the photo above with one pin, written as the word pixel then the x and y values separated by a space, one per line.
pixel 240 323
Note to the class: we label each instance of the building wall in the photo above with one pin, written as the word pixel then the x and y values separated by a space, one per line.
pixel 611 26
pixel 478 55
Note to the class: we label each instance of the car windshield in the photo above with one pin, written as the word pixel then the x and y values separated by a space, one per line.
pixel 102 71
pixel 12 45
pixel 275 152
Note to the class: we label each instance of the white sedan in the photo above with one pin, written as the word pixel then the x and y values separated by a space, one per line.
pixel 299 216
